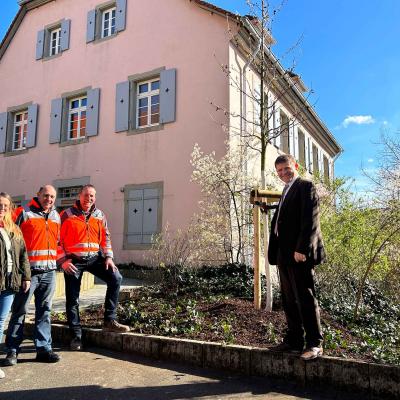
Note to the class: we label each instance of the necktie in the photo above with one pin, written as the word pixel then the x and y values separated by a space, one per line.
pixel 285 189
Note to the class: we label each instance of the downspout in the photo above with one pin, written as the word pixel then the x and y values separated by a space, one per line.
pixel 243 113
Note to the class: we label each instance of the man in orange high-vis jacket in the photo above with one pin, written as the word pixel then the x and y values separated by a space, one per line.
pixel 85 245
pixel 40 226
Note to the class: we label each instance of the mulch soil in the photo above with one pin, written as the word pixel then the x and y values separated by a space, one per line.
pixel 244 325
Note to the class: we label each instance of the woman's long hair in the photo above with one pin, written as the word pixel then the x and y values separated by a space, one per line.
pixel 8 221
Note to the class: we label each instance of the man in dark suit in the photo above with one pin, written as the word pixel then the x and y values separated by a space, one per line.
pixel 296 247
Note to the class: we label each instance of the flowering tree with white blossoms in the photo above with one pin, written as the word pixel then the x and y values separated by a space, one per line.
pixel 222 227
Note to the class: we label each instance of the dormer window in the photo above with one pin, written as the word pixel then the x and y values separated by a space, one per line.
pixel 53 40
pixel 106 21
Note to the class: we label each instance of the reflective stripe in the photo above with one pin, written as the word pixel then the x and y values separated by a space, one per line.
pixel 84 253
pixel 60 254
pixel 79 245
pixel 75 249
pixel 33 215
pixel 42 258
pixel 42 253
pixel 47 264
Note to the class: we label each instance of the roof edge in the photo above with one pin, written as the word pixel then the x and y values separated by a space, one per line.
pixel 25 6
pixel 211 7
pixel 12 29
pixel 296 91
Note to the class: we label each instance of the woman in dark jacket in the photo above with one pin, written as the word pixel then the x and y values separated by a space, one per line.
pixel 15 271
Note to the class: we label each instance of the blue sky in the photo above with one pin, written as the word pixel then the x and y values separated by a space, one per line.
pixel 348 55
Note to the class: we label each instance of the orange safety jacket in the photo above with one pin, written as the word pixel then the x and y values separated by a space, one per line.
pixel 41 232
pixel 83 235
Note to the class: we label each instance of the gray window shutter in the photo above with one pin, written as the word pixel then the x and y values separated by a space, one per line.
pixel 92 112
pixel 122 107
pixel 284 133
pixel 32 125
pixel 65 33
pixel 135 216
pixel 315 158
pixel 91 26
pixel 326 169
pixel 56 120
pixel 291 139
pixel 120 17
pixel 277 121
pixel 40 44
pixel 167 95
pixel 150 214
pixel 3 131
pixel 302 148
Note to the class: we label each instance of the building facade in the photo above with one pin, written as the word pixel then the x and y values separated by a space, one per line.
pixel 116 94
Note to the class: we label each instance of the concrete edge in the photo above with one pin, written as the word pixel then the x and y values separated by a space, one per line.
pixel 375 381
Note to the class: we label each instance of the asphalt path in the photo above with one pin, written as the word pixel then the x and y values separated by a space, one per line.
pixel 96 374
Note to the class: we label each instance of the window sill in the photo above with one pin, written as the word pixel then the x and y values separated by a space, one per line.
pixel 15 152
pixel 74 142
pixel 48 58
pixel 153 128
pixel 104 39
pixel 138 246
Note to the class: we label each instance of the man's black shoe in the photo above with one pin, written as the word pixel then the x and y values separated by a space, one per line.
pixel 76 344
pixel 47 357
pixel 11 359
pixel 287 348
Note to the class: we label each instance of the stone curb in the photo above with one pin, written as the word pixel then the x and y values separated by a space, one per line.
pixel 374 381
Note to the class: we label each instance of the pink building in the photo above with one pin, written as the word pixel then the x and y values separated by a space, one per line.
pixel 116 94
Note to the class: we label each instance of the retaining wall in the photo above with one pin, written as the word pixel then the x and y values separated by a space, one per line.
pixel 374 381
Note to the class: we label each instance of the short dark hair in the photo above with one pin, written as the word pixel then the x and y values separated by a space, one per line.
pixel 88 186
pixel 285 158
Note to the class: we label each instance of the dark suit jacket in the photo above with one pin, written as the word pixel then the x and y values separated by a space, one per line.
pixel 298 227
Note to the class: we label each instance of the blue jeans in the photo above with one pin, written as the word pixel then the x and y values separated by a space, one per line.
pixel 42 286
pixel 6 300
pixel 73 287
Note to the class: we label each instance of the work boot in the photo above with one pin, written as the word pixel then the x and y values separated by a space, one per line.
pixel 114 326
pixel 76 344
pixel 11 359
pixel 47 357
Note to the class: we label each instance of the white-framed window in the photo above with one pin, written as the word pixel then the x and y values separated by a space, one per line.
pixel 148 103
pixel 69 192
pixel 77 118
pixel 108 22
pixel 20 130
pixel 66 196
pixel 55 41
pixel 18 201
